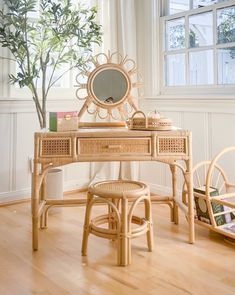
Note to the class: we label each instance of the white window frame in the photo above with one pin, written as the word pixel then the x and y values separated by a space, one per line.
pixel 216 90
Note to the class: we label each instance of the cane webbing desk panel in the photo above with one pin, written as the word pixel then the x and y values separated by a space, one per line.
pixel 59 147
pixel 53 149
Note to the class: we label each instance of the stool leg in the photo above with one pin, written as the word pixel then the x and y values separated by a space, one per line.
pixel 86 225
pixel 112 224
pixel 172 212
pixel 129 241
pixel 123 240
pixel 148 216
pixel 176 213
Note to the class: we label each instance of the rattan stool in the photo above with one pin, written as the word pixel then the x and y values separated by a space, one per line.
pixel 118 193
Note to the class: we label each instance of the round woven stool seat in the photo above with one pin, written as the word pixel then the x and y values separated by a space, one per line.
pixel 122 197
pixel 118 188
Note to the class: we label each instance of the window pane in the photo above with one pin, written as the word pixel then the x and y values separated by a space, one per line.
pixel 201 67
pixel 226 25
pixel 175 69
pixel 63 82
pixel 202 3
pixel 175 34
pixel 226 65
pixel 201 30
pixel 35 12
pixel 176 6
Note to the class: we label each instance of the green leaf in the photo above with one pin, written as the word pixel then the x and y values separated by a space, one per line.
pixel 51 41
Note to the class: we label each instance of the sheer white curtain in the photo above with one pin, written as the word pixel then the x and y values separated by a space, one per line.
pixel 118 19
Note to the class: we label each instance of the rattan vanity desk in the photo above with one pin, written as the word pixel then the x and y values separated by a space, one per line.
pixel 53 149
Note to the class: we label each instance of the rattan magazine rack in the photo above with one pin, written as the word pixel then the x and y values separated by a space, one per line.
pixel 214 196
pixel 140 121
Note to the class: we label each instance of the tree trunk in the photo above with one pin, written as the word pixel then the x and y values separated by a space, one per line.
pixel 42 114
pixel 44 121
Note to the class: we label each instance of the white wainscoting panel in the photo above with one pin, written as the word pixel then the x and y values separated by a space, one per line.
pixel 222 136
pixel 18 122
pixel 152 172
pixel 26 123
pixel 5 153
pixel 211 130
pixel 197 123
pixel 76 175
pixel 177 121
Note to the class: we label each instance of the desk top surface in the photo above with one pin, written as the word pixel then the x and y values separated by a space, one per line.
pixel 112 132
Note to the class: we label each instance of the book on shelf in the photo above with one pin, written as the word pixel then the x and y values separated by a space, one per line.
pixel 202 209
pixel 229 227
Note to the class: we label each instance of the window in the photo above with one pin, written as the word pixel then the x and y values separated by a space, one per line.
pixel 65 81
pixel 198 45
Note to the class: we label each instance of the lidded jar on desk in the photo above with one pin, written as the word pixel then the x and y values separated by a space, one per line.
pixel 152 121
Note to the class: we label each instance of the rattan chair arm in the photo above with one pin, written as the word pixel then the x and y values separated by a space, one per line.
pixel 213 164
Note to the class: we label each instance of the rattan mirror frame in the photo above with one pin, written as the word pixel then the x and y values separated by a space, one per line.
pixel 124 107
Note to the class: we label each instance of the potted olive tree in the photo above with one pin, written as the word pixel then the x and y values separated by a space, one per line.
pixel 61 34
pixel 44 40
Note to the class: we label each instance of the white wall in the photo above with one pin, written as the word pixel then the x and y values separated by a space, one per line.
pixel 211 118
pixel 211 121
pixel 213 128
pixel 18 122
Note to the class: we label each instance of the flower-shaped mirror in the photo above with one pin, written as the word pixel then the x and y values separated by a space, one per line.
pixel 108 89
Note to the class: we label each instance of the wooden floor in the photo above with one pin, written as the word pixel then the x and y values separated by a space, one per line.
pixel 175 267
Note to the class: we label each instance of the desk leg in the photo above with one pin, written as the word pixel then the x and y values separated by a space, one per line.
pixel 175 213
pixel 35 206
pixel 43 198
pixel 189 182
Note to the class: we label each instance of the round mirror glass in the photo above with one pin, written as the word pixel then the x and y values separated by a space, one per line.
pixel 110 86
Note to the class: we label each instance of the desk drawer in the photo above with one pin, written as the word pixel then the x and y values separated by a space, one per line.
pixel 111 146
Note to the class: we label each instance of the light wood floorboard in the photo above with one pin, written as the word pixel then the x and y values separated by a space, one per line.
pixel 175 267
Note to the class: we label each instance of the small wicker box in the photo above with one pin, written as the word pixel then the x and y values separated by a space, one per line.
pixel 140 121
pixel 63 121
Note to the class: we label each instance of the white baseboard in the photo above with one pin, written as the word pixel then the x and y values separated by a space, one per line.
pixel 12 196
pixel 25 194
pixel 75 184
pixel 70 186
pixel 159 189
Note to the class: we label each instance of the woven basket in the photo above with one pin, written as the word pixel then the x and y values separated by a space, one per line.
pixel 148 123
